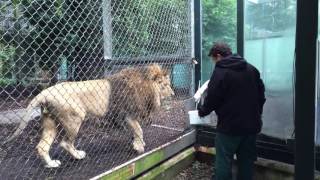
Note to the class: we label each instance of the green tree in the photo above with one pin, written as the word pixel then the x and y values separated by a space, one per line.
pixel 73 30
pixel 274 16
pixel 66 28
pixel 11 35
pixel 219 24
pixel 6 65
pixel 142 28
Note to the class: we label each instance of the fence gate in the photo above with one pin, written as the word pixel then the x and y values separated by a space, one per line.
pixel 65 44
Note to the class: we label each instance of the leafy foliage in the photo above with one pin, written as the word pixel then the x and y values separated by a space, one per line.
pixel 149 27
pixel 73 30
pixel 6 64
pixel 219 24
pixel 273 16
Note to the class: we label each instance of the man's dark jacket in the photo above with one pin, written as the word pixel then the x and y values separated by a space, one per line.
pixel 236 93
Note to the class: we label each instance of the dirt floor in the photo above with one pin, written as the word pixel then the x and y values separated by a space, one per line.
pixel 197 171
pixel 106 145
pixel 9 104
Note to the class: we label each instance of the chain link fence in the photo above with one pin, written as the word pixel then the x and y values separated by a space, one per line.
pixel 79 78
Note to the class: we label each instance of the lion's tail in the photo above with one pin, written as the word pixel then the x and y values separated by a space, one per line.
pixel 38 100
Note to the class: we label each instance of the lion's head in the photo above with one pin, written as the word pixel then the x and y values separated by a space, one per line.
pixel 161 79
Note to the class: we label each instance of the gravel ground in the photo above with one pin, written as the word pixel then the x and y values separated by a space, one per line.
pixel 9 104
pixel 197 171
pixel 106 145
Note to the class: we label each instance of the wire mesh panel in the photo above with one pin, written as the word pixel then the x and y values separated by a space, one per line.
pixel 86 85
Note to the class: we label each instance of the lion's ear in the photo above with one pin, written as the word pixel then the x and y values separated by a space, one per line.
pixel 154 72
pixel 166 71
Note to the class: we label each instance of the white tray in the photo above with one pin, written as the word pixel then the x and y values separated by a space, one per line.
pixel 194 118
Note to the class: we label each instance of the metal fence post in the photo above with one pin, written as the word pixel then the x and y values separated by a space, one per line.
pixel 305 64
pixel 240 27
pixel 197 40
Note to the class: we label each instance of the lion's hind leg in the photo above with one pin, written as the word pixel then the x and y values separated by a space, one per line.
pixel 48 135
pixel 72 125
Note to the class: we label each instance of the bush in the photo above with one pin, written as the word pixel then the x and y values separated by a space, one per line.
pixel 6 61
pixel 6 82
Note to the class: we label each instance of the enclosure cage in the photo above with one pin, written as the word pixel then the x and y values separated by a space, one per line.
pixel 50 50
pixel 51 43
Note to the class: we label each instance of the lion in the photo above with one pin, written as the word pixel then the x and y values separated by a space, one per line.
pixel 132 92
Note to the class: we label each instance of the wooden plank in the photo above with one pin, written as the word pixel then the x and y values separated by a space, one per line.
pixel 171 167
pixel 148 160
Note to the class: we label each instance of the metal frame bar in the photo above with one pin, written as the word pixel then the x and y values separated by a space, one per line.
pixel 150 59
pixel 107 28
pixel 197 40
pixel 240 27
pixel 191 10
pixel 305 94
pixel 267 147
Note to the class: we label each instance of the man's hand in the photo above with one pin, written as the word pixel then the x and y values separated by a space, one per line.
pixel 198 94
pixel 200 112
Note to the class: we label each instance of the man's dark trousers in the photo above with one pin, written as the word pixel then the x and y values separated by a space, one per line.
pixel 245 149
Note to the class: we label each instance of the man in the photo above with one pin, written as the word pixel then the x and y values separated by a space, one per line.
pixel 236 93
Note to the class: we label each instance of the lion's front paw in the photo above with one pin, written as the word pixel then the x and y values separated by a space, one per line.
pixel 80 155
pixel 53 164
pixel 139 147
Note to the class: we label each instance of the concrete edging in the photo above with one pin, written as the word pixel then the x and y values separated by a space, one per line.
pixel 265 168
